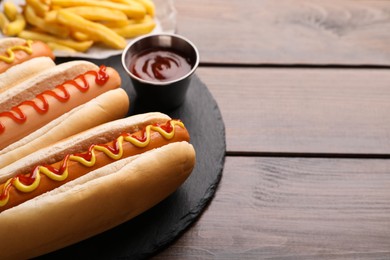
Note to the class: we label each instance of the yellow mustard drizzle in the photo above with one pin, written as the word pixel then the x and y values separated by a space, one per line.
pixel 58 176
pixel 106 151
pixel 10 57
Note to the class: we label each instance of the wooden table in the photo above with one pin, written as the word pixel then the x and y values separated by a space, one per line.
pixel 304 90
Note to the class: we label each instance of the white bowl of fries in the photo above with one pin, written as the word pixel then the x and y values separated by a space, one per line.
pixel 85 28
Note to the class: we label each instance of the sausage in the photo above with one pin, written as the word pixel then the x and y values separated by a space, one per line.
pixel 30 115
pixel 20 188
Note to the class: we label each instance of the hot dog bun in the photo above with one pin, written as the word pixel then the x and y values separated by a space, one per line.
pixel 107 107
pixel 89 204
pixel 71 84
pixel 14 51
pixel 76 212
pixel 23 71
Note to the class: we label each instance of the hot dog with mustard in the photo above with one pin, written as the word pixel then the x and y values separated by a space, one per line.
pixel 107 175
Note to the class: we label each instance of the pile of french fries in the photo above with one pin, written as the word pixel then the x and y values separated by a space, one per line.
pixel 76 25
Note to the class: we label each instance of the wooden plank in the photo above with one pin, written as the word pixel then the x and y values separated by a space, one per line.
pixel 303 110
pixel 347 32
pixel 293 208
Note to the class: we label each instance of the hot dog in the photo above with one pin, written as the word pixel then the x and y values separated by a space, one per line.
pixel 24 109
pixel 136 162
pixel 21 59
pixel 45 80
pixel 14 51
pixel 109 106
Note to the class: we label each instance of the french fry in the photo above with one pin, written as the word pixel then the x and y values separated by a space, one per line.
pixel 60 47
pixel 11 21
pixel 144 26
pixel 79 36
pixel 35 20
pixel 3 21
pixel 75 25
pixel 95 31
pixel 16 26
pixel 40 7
pixel 147 4
pixel 92 13
pixel 78 46
pixel 115 24
pixel 10 10
pixel 51 16
pixel 135 10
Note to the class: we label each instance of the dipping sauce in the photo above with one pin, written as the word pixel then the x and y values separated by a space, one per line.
pixel 159 65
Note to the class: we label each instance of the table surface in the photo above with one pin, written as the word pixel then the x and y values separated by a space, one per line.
pixel 304 88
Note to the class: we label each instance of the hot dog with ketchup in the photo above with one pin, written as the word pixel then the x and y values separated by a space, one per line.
pixel 107 175
pixel 109 106
pixel 38 100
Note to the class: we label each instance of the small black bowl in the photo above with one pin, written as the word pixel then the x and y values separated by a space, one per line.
pixel 155 92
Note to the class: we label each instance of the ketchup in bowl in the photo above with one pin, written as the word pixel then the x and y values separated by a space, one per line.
pixel 160 65
pixel 160 68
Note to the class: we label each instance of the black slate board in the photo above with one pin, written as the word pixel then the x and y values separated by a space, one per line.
pixel 156 228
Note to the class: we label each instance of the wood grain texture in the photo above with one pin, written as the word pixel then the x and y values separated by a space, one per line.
pixel 312 111
pixel 293 208
pixel 341 32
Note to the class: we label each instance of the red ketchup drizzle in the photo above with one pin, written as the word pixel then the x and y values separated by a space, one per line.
pixel 3 195
pixel 87 155
pixel 28 179
pixel 167 127
pixel 16 114
pixel 141 138
pixel 25 179
pixel 61 169
pixel 114 149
